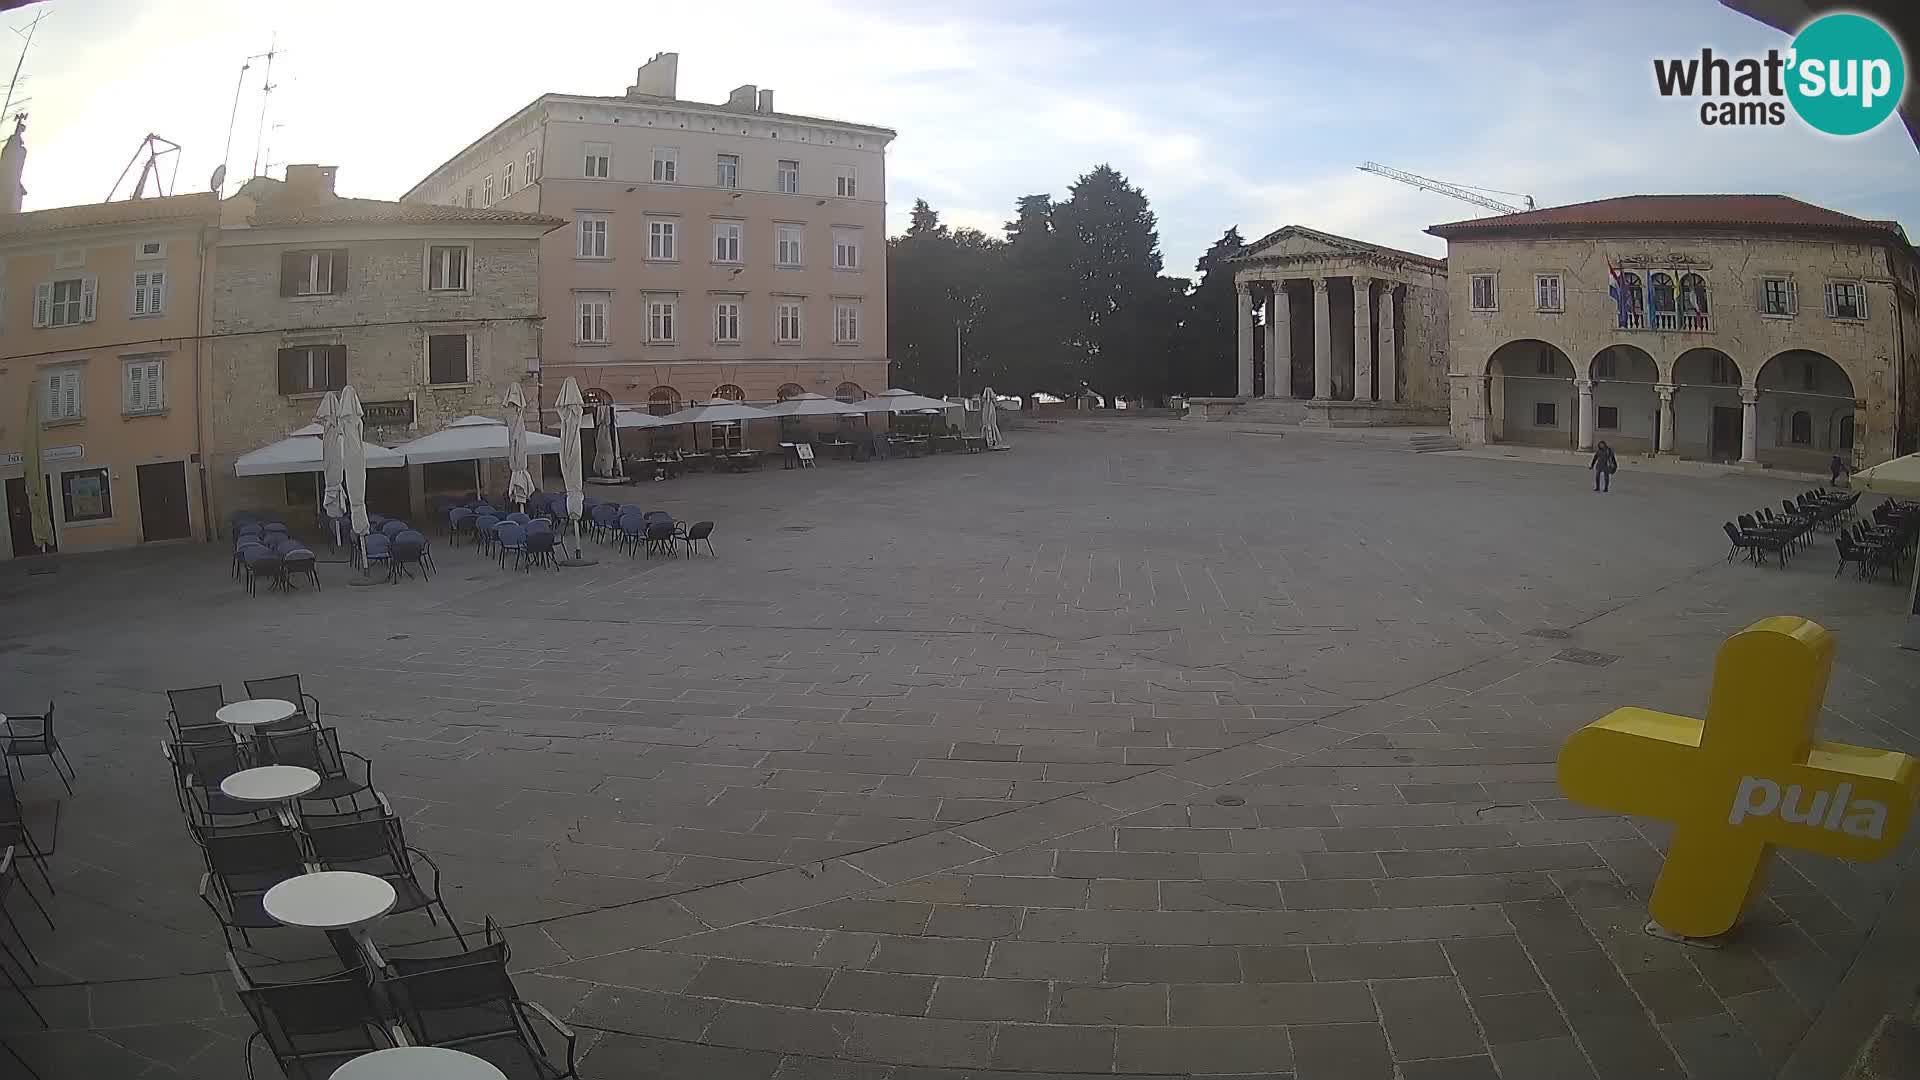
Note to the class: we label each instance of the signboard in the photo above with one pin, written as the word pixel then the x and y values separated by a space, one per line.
pixel 1744 779
pixel 387 413
pixel 47 455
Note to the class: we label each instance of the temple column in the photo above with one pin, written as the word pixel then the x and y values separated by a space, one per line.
pixel 1586 421
pixel 1322 343
pixel 1749 425
pixel 1243 357
pixel 1665 390
pixel 1362 338
pixel 1279 342
pixel 1389 366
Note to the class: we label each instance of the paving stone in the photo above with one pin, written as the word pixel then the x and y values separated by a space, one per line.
pixel 1587 984
pixel 1124 895
pixel 1057 1047
pixel 1545 1059
pixel 645 1012
pixel 1182 1050
pixel 1219 895
pixel 1275 963
pixel 1714 1047
pixel 1047 960
pixel 1494 965
pixel 878 992
pixel 1622 1046
pixel 1549 926
pixel 1479 1067
pixel 989 999
pixel 1026 891
pixel 973 921
pixel 1137 1004
pixel 931 956
pixel 1172 964
pixel 1427 1018
pixel 767 1027
pixel 1675 995
pixel 1513 1018
pixel 1772 1019
pixel 875 916
pixel 1342 864
pixel 1384 960
pixel 1272 1003
pixel 771 984
pixel 1126 864
pixel 915 1041
pixel 1323 895
pixel 1341 1052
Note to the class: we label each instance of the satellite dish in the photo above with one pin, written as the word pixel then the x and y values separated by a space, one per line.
pixel 219 179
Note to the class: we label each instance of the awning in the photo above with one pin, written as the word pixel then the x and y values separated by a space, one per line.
pixel 471 438
pixel 902 401
pixel 1901 476
pixel 303 451
pixel 717 411
pixel 814 405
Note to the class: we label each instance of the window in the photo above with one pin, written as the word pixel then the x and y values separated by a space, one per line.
pixel 66 302
pixel 1777 297
pixel 846 249
pixel 1546 292
pixel 1607 417
pixel 1544 414
pixel 786 323
pixel 726 170
pixel 592 309
pixel 845 182
pixel 1483 295
pixel 663 401
pixel 506 180
pixel 64 399
pixel 1845 300
pixel 788 391
pixel 1545 363
pixel 599 163
pixel 1693 303
pixel 846 323
pixel 725 436
pixel 446 268
pixel 149 292
pixel 1800 428
pixel 726 321
pixel 449 359
pixel 86 495
pixel 660 320
pixel 312 369
pixel 660 237
pixel 849 392
pixel 1603 366
pixel 1634 314
pixel 726 241
pixel 1724 372
pixel 1665 302
pixel 666 165
pixel 786 178
pixel 531 175
pixel 145 386
pixel 786 245
pixel 1844 440
pixel 313 273
pixel 469 202
pixel 593 236
pixel 486 191
pixel 150 249
pixel 729 392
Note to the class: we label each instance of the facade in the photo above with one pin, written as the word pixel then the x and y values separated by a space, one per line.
pixel 429 311
pixel 1752 328
pixel 712 251
pixel 1350 332
pixel 101 317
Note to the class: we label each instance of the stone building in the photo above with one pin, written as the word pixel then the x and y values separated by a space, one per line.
pixel 1341 331
pixel 429 311
pixel 1753 328
pixel 716 250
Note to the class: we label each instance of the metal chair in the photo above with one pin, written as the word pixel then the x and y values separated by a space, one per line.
pixel 318 749
pixel 33 736
pixel 192 714
pixel 374 846
pixel 313 1027
pixel 697 532
pixel 14 831
pixel 510 538
pixel 468 1002
pixel 409 549
pixel 241 867
pixel 9 873
pixel 286 688
pixel 198 769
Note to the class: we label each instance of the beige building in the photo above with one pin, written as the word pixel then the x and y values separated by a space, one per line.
pixel 430 312
pixel 1341 331
pixel 724 250
pixel 1752 328
pixel 101 315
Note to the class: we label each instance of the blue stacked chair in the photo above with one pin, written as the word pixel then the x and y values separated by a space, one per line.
pixel 512 537
pixel 379 550
pixel 458 518
pixel 394 527
pixel 633 530
pixel 409 548
pixel 483 531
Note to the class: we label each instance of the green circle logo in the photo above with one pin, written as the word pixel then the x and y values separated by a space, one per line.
pixel 1847 74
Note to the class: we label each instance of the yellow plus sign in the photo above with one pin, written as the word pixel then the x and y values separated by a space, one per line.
pixel 1746 778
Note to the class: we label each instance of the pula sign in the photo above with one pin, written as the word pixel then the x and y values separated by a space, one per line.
pixel 1746 778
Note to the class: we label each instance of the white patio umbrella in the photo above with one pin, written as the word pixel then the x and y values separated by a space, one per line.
pixel 570 404
pixel 472 438
pixel 624 419
pixel 304 450
pixel 813 405
pixel 606 443
pixel 333 494
pixel 990 420
pixel 520 483
pixel 716 411
pixel 900 401
pixel 353 455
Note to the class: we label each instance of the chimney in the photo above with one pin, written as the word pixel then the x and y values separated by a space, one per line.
pixel 13 162
pixel 308 184
pixel 743 97
pixel 766 101
pixel 658 77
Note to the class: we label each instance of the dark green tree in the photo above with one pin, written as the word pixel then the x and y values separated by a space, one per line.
pixel 1204 364
pixel 936 281
pixel 1116 299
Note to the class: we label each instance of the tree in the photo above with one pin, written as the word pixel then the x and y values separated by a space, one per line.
pixel 1116 301
pixel 1205 365
pixel 936 280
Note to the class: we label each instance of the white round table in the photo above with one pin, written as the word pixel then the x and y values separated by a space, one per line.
pixel 418 1063
pixel 244 716
pixel 270 783
pixel 333 900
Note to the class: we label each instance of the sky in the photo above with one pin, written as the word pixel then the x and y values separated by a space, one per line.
pixel 1226 113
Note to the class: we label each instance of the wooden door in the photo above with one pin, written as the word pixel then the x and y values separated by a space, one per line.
pixel 163 501
pixel 20 518
pixel 1726 433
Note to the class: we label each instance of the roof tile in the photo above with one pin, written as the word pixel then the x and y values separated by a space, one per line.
pixel 1697 211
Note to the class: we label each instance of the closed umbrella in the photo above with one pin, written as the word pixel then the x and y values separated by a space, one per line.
pixel 606 454
pixel 990 420
pixel 35 477
pixel 520 484
pixel 353 455
pixel 333 497
pixel 570 404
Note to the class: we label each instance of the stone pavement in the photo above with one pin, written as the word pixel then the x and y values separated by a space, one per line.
pixel 1141 750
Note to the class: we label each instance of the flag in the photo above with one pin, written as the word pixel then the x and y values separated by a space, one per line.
pixel 1622 296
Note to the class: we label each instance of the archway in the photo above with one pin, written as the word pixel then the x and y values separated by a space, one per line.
pixel 1708 417
pixel 849 392
pixel 788 391
pixel 662 400
pixel 1626 408
pixel 729 392
pixel 1805 414
pixel 1530 395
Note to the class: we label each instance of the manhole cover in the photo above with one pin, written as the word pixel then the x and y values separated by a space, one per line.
pixel 1551 632
pixel 399 637
pixel 796 528
pixel 1230 800
pixel 1583 656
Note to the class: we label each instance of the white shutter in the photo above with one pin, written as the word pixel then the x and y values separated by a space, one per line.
pixel 156 291
pixel 1860 290
pixel 136 396
pixel 1793 298
pixel 140 293
pixel 43 303
pixel 70 394
pixel 88 289
pixel 1831 308
pixel 52 410
pixel 155 370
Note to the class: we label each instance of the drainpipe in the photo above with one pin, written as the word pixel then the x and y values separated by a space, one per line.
pixel 201 303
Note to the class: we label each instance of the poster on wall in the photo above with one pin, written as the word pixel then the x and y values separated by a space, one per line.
pixel 89 500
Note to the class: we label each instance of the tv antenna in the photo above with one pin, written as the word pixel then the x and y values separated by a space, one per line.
pixel 266 98
pixel 154 147
pixel 14 83
pixel 233 115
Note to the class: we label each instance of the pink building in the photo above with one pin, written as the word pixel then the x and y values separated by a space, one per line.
pixel 713 250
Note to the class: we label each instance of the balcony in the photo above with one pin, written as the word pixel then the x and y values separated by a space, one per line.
pixel 1687 322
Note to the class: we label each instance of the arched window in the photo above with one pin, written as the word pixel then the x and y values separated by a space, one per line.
pixel 1664 301
pixel 730 392
pixel 1636 302
pixel 1844 441
pixel 1800 428
pixel 1693 302
pixel 662 400
pixel 849 392
pixel 789 391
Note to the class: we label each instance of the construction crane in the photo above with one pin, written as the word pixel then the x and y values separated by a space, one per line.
pixel 1463 192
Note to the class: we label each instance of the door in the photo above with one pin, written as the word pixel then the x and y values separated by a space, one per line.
pixel 20 517
pixel 1726 433
pixel 163 502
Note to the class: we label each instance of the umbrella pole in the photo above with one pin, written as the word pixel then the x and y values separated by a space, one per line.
pixel 577 558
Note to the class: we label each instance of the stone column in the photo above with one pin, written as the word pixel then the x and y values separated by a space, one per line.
pixel 1750 425
pixel 1243 357
pixel 1586 424
pixel 1389 366
pixel 1322 345
pixel 1279 343
pixel 1665 390
pixel 1362 338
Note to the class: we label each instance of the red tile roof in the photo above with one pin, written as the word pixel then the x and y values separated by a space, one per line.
pixel 169 208
pixel 1676 211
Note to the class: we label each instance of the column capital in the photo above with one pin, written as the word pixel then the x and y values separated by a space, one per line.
pixel 1362 280
pixel 1665 390
pixel 1319 284
pixel 1749 395
pixel 1584 385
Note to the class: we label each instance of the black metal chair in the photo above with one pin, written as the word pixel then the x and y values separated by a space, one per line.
pixel 373 845
pixel 33 736
pixel 198 769
pixel 15 834
pixel 241 867
pixel 697 532
pixel 315 1026
pixel 192 714
pixel 318 749
pixel 15 1055
pixel 9 873
pixel 286 688
pixel 468 1002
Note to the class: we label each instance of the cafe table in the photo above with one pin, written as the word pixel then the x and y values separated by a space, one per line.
pixel 244 716
pixel 336 901
pixel 278 784
pixel 418 1063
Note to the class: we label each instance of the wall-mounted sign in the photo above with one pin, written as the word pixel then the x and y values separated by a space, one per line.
pixel 47 454
pixel 387 413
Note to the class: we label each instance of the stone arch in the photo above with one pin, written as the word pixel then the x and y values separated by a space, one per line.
pixel 729 392
pixel 662 400
pixel 1806 410
pixel 1530 395
pixel 1626 407
pixel 1709 416
pixel 849 392
pixel 788 391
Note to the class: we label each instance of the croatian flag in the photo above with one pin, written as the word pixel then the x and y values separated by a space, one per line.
pixel 1622 299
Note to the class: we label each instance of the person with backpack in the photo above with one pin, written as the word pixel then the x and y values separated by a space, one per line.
pixel 1604 465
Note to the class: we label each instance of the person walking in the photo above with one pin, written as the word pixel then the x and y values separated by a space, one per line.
pixel 1838 467
pixel 1603 466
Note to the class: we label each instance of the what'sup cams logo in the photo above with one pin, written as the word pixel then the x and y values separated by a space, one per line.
pixel 1843 74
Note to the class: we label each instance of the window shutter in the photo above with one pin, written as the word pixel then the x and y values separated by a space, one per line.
pixel 156 290
pixel 289 380
pixel 1860 290
pixel 336 360
pixel 339 274
pixel 1831 308
pixel 293 266
pixel 1793 298
pixel 70 394
pixel 139 296
pixel 43 303
pixel 155 369
pixel 136 391
pixel 52 411
pixel 88 290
